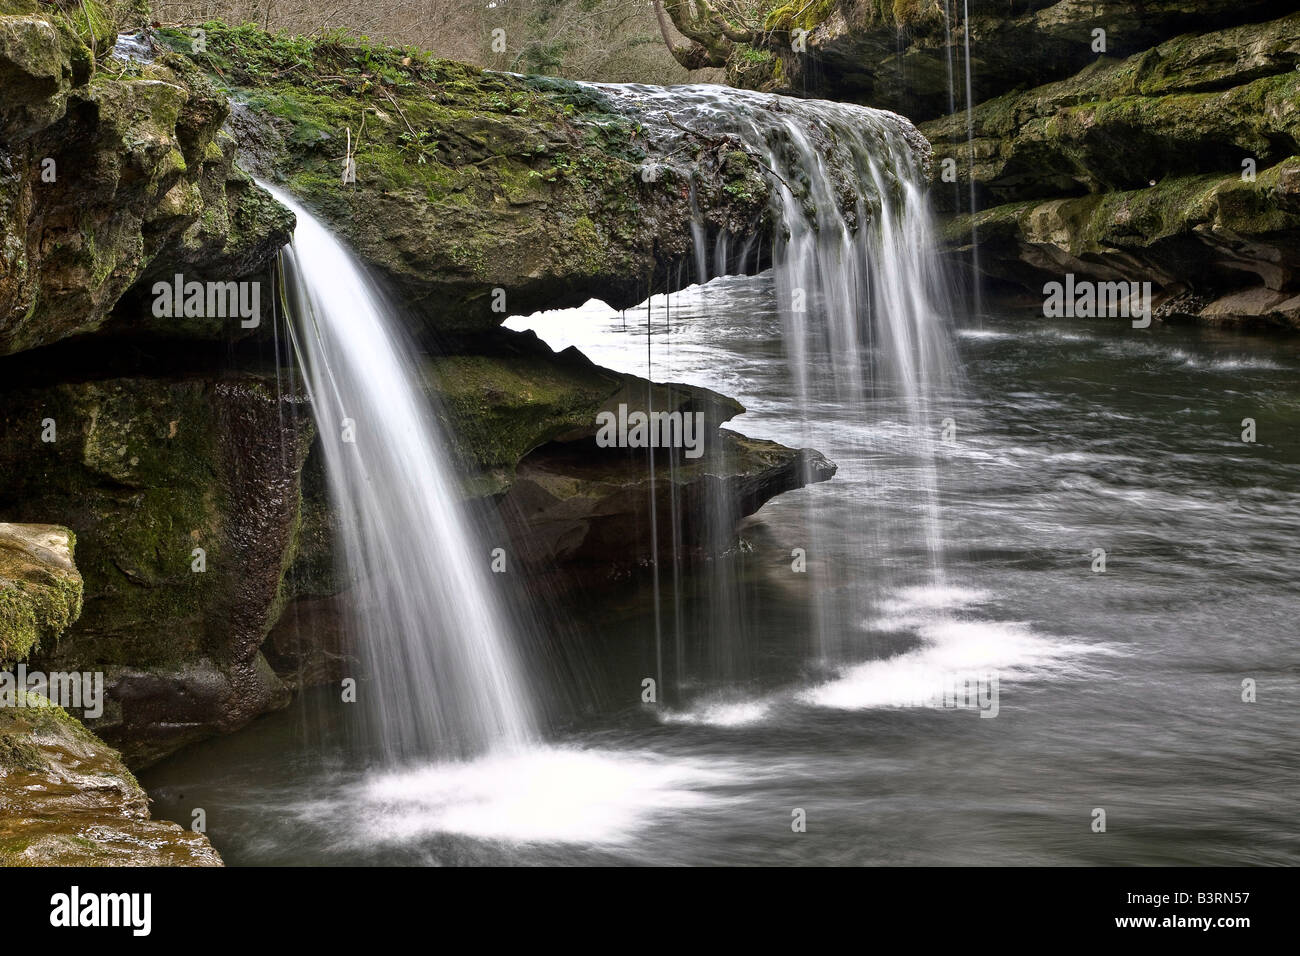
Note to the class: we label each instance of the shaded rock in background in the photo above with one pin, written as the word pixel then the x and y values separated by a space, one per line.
pixel 1215 248
pixel 1141 170
pixel 1196 104
pixel 898 55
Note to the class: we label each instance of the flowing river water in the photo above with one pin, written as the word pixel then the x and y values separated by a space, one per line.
pixel 1119 689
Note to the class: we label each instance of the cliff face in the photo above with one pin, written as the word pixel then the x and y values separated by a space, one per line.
pixel 1169 156
pixel 183 459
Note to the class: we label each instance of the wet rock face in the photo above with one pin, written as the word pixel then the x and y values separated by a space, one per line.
pixel 66 799
pixel 40 587
pixel 106 167
pixel 184 496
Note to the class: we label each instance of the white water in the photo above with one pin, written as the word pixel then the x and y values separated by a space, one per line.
pixel 853 254
pixel 442 675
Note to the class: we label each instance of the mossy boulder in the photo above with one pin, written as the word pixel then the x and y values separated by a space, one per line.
pixel 40 587
pixel 1199 103
pixel 68 800
pixel 468 185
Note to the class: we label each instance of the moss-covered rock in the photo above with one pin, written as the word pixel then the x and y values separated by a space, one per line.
pixel 905 55
pixel 1216 248
pixel 106 169
pixel 1199 103
pixel 68 800
pixel 40 587
pixel 1175 166
pixel 468 182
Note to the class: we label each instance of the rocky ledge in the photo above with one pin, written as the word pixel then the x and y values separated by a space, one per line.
pixel 1178 166
pixel 66 798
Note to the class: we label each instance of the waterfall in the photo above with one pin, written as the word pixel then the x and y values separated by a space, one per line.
pixel 970 146
pixel 443 678
pixel 863 301
pixel 852 246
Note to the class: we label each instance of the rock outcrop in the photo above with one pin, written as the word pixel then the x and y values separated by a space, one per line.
pixel 910 55
pixel 476 194
pixel 1179 166
pixel 107 168
pixel 524 423
pixel 66 799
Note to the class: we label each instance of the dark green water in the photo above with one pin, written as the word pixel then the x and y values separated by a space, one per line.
pixel 1119 690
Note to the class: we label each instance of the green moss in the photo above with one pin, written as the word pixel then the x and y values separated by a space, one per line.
pixel 500 408
pixel 37 602
pixel 1176 206
pixel 799 15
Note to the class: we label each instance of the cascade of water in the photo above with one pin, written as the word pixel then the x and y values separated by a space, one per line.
pixel 444 680
pixel 970 145
pixel 857 282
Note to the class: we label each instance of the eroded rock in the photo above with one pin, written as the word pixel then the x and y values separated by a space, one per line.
pixel 184 497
